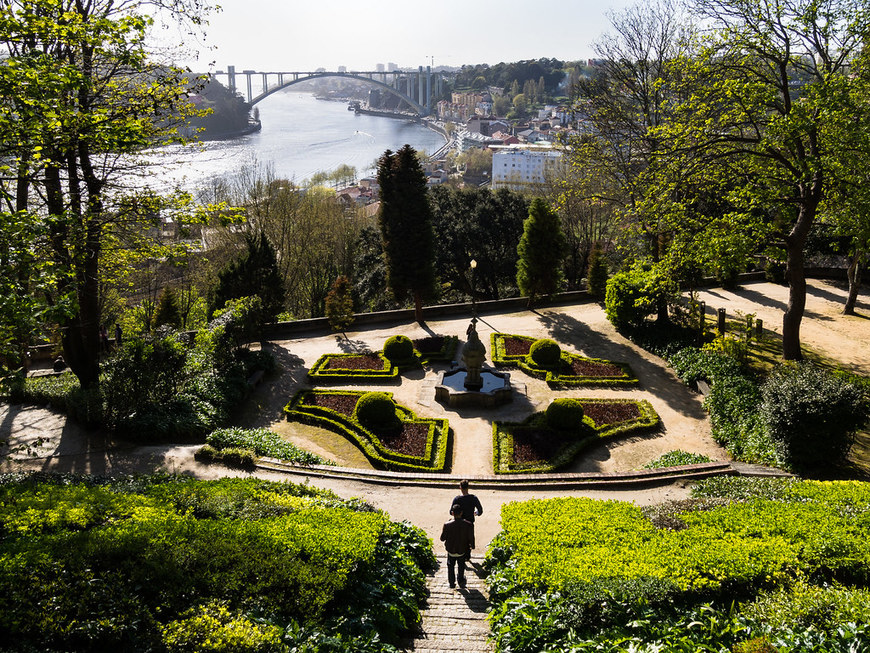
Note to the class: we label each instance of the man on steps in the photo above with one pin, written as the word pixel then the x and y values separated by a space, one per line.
pixel 470 505
pixel 458 538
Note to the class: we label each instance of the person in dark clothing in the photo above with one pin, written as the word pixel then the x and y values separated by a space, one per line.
pixel 470 506
pixel 458 538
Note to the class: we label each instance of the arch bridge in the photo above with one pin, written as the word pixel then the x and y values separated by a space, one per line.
pixel 416 88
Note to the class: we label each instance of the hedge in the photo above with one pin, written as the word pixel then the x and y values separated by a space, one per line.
pixel 553 377
pixel 321 372
pixel 592 434
pixel 437 440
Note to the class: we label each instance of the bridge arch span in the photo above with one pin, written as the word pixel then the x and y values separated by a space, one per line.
pixel 301 77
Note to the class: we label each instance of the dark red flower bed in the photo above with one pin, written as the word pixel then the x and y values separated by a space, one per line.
pixel 607 413
pixel 343 404
pixel 532 445
pixel 429 345
pixel 590 368
pixel 516 346
pixel 535 445
pixel 409 439
pixel 359 362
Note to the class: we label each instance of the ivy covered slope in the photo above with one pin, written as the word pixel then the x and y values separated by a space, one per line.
pixel 745 565
pixel 173 564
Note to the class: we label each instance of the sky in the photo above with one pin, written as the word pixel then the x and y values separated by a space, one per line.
pixel 293 35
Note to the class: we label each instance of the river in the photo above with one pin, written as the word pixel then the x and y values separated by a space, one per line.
pixel 301 135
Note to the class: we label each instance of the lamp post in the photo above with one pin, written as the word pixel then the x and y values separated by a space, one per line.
pixel 472 267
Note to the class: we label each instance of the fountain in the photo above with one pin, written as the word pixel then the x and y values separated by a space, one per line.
pixel 474 384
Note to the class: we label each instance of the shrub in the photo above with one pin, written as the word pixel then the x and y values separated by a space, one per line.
pixel 565 414
pixel 399 349
pixel 545 352
pixel 634 294
pixel 596 276
pixel 376 410
pixel 677 458
pixel 263 442
pixel 811 414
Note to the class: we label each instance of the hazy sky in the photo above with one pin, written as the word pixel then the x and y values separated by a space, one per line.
pixel 292 35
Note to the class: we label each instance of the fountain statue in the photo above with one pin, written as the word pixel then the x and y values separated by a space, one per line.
pixel 474 384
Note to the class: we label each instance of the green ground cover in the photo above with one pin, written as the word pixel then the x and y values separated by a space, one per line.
pixel 510 350
pixel 743 561
pixel 533 446
pixel 412 444
pixel 174 564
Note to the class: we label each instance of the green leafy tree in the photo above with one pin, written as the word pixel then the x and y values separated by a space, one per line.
pixel 405 219
pixel 541 250
pixel 769 92
pixel 339 304
pixel 481 225
pixel 79 90
pixel 254 273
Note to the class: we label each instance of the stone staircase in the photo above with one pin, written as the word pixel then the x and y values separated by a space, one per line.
pixel 454 620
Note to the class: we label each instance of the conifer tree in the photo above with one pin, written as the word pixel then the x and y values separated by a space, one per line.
pixel 596 277
pixel 541 250
pixel 339 304
pixel 168 312
pixel 255 272
pixel 405 218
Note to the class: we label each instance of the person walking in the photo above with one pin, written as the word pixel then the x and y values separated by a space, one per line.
pixel 470 505
pixel 458 537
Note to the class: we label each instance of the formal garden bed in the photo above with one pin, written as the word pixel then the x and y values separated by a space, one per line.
pixel 399 353
pixel 535 445
pixel 559 368
pixel 403 442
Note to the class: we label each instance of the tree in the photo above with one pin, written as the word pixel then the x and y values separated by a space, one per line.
pixel 541 249
pixel 254 273
pixel 168 312
pixel 405 219
pixel 339 304
pixel 79 91
pixel 596 277
pixel 481 225
pixel 769 91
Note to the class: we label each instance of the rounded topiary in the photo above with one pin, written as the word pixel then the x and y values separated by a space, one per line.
pixel 375 410
pixel 545 352
pixel 565 415
pixel 399 349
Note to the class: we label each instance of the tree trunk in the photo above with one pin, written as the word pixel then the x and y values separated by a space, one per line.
pixel 854 276
pixel 797 282
pixel 418 306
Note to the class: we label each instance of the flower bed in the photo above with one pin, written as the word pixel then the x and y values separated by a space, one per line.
pixel 434 349
pixel 509 350
pixel 367 366
pixel 533 447
pixel 416 444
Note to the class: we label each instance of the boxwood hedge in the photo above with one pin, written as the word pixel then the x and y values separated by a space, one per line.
pixel 301 408
pixel 556 375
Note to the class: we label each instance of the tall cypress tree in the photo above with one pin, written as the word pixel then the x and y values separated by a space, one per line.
pixel 406 227
pixel 541 251
pixel 255 272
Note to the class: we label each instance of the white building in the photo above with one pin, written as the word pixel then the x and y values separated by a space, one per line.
pixel 523 167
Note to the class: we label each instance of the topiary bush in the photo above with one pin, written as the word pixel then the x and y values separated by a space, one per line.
pixel 399 349
pixel 545 352
pixel 376 410
pixel 811 415
pixel 565 414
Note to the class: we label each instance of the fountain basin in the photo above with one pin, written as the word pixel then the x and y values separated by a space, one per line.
pixel 495 389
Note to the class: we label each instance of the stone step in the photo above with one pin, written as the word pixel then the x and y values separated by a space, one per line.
pixel 454 619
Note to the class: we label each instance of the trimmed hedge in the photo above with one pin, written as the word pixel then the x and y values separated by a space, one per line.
pixel 565 414
pixel 437 440
pixel 788 564
pixel 554 375
pixel 589 435
pixel 321 371
pixel 442 355
pixel 157 563
pixel 399 350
